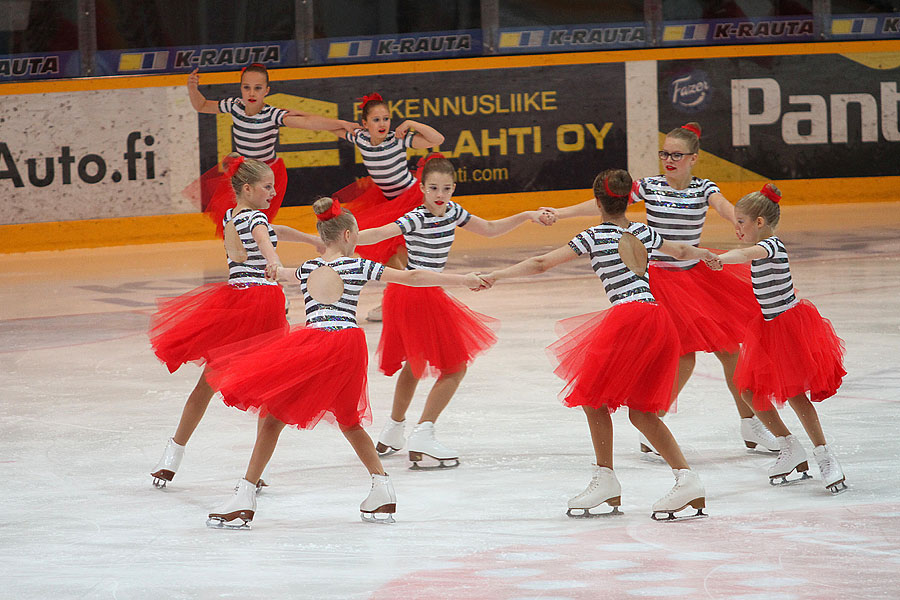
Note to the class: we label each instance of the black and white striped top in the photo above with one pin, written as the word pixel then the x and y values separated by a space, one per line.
pixel 428 238
pixel 771 277
pixel 254 136
pixel 386 162
pixel 253 270
pixel 354 272
pixel 677 215
pixel 601 242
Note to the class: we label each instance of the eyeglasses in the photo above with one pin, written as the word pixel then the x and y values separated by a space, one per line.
pixel 676 156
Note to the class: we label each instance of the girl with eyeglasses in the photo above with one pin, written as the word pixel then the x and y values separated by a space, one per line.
pixel 710 308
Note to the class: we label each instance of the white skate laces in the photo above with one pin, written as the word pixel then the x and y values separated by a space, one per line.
pixel 830 468
pixel 382 500
pixel 603 487
pixel 755 435
pixel 238 511
pixel 168 464
pixel 687 491
pixel 422 443
pixel 391 438
pixel 791 457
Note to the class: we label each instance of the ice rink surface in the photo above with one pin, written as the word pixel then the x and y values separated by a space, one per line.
pixel 86 411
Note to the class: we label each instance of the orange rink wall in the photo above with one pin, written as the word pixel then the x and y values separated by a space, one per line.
pixel 60 235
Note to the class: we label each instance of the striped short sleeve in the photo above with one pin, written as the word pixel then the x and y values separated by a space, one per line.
pixel 371 270
pixel 278 115
pixel 770 246
pixel 463 216
pixel 654 240
pixel 258 218
pixel 408 139
pixel 411 221
pixel 352 136
pixel 710 188
pixel 581 243
pixel 637 192
pixel 226 104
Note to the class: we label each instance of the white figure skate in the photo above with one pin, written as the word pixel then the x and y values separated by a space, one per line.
pixel 391 439
pixel 757 436
pixel 688 491
pixel 830 468
pixel 168 464
pixel 791 457
pixel 382 500
pixel 422 443
pixel 238 511
pixel 604 487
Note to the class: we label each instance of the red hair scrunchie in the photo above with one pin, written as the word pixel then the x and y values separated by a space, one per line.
pixel 692 129
pixel 373 97
pixel 259 65
pixel 771 193
pixel 232 165
pixel 333 211
pixel 609 192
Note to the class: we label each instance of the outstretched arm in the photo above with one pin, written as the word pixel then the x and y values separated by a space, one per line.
pixel 742 255
pixel 289 234
pixel 318 123
pixel 533 265
pixel 423 278
pixel 722 206
pixel 505 225
pixel 426 136
pixel 198 100
pixel 378 234
pixel 261 235
pixel 588 208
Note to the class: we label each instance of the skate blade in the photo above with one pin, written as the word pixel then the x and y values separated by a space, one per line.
pixel 260 485
pixel 671 516
pixel 756 448
pixel 587 514
pixel 431 463
pixel 217 523
pixel 384 450
pixel 782 480
pixel 161 478
pixel 373 517
pixel 837 487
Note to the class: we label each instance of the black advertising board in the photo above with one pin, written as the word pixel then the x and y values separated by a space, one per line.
pixel 507 130
pixel 790 117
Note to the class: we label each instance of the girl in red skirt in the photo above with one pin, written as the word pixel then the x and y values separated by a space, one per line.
pixel 710 308
pixel 426 331
pixel 390 191
pixel 189 327
pixel 317 371
pixel 624 356
pixel 255 133
pixel 789 350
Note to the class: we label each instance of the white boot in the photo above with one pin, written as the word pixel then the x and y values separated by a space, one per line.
pixel 830 468
pixel 381 500
pixel 168 464
pixel 687 491
pixel 391 438
pixel 374 315
pixel 422 442
pixel 791 457
pixel 755 434
pixel 604 487
pixel 240 507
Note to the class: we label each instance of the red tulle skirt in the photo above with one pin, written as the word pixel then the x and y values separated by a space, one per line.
pixel 710 309
pixel 300 379
pixel 430 330
pixel 794 353
pixel 189 327
pixel 372 209
pixel 624 356
pixel 213 193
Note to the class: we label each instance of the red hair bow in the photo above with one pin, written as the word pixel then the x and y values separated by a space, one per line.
pixel 692 129
pixel 424 160
pixel 373 97
pixel 232 165
pixel 333 211
pixel 260 65
pixel 771 193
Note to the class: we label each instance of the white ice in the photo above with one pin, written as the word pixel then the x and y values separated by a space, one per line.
pixel 86 411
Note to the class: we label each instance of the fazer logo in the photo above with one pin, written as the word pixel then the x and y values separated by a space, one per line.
pixel 690 93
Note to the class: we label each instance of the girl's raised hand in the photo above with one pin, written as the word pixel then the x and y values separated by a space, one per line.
pixel 194 79
pixel 402 129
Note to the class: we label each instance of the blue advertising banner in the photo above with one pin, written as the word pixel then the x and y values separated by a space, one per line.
pixel 569 38
pixel 411 46
pixel 739 31
pixel 849 27
pixel 55 65
pixel 187 58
